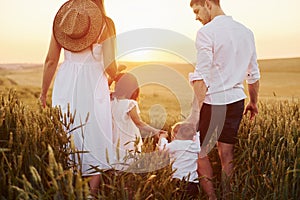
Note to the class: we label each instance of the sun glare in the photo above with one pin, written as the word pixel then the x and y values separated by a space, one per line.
pixel 29 24
pixel 151 55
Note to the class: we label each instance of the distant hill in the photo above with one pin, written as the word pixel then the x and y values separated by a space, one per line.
pixel 283 64
pixel 280 78
pixel 266 65
pixel 18 66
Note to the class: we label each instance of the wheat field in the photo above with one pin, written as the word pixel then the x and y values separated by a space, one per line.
pixel 34 148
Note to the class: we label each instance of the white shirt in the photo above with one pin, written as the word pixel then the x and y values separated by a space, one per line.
pixel 226 56
pixel 184 153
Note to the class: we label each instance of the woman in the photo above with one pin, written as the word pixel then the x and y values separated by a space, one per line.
pixel 87 36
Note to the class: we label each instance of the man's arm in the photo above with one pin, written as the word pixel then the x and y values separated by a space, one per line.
pixel 253 95
pixel 200 90
pixel 200 77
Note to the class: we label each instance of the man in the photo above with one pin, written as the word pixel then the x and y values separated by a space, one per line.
pixel 226 56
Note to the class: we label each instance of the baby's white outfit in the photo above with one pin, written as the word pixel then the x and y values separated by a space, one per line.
pixel 184 153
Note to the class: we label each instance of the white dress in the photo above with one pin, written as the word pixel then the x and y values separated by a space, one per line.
pixel 125 132
pixel 81 82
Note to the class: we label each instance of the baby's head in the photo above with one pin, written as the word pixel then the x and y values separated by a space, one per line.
pixel 183 131
pixel 126 86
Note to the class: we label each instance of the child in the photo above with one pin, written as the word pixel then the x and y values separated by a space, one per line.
pixel 184 151
pixel 127 122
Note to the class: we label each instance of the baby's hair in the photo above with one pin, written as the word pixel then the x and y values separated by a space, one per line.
pixel 202 2
pixel 184 130
pixel 126 85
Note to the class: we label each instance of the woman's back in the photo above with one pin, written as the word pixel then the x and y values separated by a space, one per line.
pixel 89 55
pixel 81 82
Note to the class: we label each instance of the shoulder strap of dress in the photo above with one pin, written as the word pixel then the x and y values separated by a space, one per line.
pixel 102 30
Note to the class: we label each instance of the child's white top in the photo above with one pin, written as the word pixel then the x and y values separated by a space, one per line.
pixel 124 129
pixel 184 153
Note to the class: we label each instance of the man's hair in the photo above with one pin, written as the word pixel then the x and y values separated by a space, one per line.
pixel 201 2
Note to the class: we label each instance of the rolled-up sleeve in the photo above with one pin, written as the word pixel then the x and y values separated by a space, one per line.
pixel 204 48
pixel 253 73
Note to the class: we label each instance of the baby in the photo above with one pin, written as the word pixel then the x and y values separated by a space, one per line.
pixel 184 150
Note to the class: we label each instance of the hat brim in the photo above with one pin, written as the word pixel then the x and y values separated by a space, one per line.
pixel 96 21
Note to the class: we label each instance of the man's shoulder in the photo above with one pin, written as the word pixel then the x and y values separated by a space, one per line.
pixel 211 26
pixel 205 30
pixel 239 25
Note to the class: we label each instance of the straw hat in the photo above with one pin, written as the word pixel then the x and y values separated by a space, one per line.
pixel 77 24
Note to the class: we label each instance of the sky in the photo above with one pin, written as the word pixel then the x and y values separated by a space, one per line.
pixel 26 26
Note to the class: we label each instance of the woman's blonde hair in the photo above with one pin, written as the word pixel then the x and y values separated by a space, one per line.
pixel 109 23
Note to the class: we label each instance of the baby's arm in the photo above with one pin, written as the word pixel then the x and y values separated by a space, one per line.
pixel 162 142
pixel 197 140
pixel 141 124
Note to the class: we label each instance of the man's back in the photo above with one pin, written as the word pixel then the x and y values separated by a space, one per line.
pixel 229 46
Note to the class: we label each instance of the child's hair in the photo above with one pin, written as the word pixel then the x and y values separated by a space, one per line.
pixel 182 130
pixel 126 85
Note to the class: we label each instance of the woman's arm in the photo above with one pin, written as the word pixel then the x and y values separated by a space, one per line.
pixel 109 47
pixel 50 66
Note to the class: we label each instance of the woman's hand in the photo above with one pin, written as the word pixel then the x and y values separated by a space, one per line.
pixel 43 99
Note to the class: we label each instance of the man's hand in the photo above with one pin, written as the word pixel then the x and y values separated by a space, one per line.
pixel 252 105
pixel 253 110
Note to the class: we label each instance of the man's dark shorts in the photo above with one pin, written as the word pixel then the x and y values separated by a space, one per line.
pixel 223 118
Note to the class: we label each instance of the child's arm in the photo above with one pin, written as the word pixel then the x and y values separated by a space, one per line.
pixel 142 125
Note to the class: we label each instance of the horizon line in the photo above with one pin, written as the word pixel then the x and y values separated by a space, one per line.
pixel 146 61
